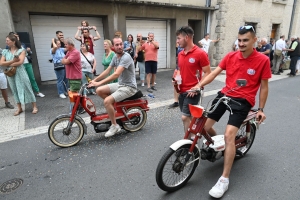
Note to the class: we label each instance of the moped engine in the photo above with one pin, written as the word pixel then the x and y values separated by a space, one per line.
pixel 101 127
pixel 214 151
pixel 210 154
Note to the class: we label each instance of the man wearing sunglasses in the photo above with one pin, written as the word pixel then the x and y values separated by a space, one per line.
pixel 247 64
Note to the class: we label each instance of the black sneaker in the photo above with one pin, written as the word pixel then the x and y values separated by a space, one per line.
pixel 278 73
pixel 8 105
pixel 153 88
pixel 81 110
pixel 149 90
pixel 173 105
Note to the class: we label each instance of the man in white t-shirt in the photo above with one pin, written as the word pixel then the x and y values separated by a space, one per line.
pixel 205 42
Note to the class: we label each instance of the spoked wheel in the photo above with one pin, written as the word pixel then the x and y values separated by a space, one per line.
pixel 242 133
pixel 171 174
pixel 138 118
pixel 61 136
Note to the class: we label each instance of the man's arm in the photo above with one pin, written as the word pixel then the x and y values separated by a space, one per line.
pixel 65 61
pixel 206 70
pixel 293 47
pixel 97 33
pixel 267 51
pixel 263 95
pixel 108 79
pixel 156 45
pixel 217 40
pixel 209 78
pixel 77 37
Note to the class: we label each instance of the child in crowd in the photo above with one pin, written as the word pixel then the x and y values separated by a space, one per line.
pixel 85 26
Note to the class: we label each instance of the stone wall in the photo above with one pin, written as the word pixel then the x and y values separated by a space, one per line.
pixel 234 13
pixel 6 21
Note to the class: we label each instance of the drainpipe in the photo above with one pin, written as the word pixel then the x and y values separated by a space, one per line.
pixel 292 19
pixel 207 17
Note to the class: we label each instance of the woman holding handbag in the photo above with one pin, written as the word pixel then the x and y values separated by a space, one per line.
pixel 58 54
pixel 88 65
pixel 13 57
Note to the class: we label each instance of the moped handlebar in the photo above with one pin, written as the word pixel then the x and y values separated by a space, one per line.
pixel 225 100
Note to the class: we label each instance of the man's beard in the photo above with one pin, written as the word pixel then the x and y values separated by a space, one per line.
pixel 138 39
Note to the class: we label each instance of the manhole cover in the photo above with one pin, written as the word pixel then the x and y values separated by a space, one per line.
pixel 11 185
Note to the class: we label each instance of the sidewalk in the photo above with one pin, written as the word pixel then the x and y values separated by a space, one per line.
pixel 27 124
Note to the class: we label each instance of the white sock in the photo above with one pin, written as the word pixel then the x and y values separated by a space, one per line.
pixel 225 179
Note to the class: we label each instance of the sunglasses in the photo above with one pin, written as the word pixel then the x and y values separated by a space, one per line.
pixel 183 30
pixel 247 27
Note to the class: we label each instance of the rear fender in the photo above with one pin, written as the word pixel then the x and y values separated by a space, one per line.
pixel 180 143
pixel 76 117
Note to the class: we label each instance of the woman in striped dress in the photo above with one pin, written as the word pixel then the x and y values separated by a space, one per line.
pixel 19 83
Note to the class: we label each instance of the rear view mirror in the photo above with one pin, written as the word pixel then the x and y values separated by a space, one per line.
pixel 241 82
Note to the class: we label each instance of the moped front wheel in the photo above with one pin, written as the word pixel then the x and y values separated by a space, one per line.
pixel 137 117
pixel 62 136
pixel 171 172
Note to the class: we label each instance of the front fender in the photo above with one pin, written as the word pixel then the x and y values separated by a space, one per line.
pixel 180 143
pixel 76 117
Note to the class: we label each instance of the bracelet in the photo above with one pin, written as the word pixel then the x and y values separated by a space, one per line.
pixel 96 30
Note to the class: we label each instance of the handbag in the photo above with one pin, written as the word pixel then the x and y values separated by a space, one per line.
pixel 277 52
pixel 10 71
pixel 58 66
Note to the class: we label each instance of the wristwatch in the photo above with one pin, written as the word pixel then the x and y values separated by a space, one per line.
pixel 262 109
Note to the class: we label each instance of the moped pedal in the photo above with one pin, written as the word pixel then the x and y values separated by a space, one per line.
pixel 239 153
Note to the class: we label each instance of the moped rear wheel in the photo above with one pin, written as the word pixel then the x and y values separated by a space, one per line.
pixel 138 118
pixel 63 137
pixel 171 174
pixel 250 140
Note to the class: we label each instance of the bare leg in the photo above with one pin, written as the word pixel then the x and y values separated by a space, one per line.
pixel 176 95
pixel 4 95
pixel 153 78
pixel 230 149
pixel 209 127
pixel 186 122
pixel 109 106
pixel 148 79
pixel 103 91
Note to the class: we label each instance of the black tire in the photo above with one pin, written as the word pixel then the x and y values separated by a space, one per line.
pixel 59 136
pixel 242 133
pixel 169 168
pixel 138 120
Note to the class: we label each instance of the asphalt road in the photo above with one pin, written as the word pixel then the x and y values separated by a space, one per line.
pixel 123 167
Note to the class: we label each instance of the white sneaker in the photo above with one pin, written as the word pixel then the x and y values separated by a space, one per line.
pixel 113 129
pixel 40 94
pixel 143 84
pixel 220 188
pixel 62 96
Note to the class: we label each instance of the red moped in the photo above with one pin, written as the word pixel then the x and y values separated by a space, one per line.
pixel 68 129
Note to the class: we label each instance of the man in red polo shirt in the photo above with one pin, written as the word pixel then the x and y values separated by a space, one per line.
pixel 190 60
pixel 247 64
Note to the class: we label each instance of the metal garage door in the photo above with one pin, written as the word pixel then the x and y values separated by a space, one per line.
pixel 44 28
pixel 159 28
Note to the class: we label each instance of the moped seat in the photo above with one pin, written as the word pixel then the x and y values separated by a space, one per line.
pixel 137 95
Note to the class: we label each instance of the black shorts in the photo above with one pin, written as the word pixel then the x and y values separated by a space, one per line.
pixel 151 67
pixel 240 112
pixel 184 102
